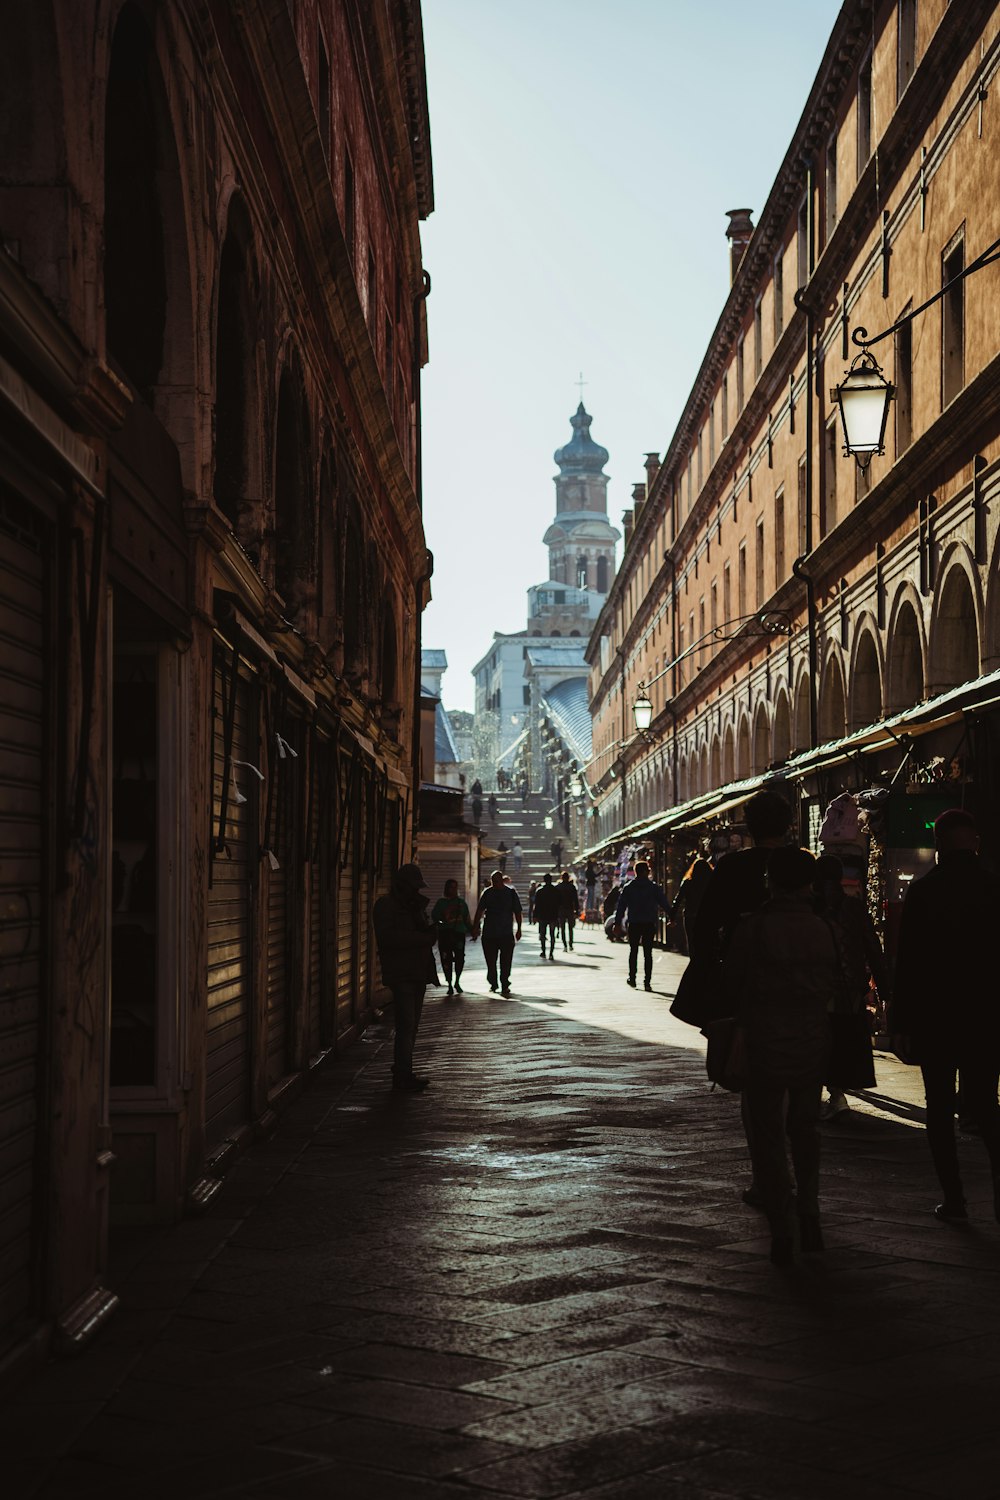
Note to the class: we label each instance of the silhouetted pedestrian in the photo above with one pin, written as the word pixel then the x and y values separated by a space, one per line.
pixel 502 856
pixel 532 888
pixel 640 901
pixel 547 912
pixel 555 849
pixel 782 974
pixel 405 941
pixel 851 1062
pixel 454 924
pixel 590 881
pixel 493 806
pixel 518 854
pixel 477 810
pixel 498 911
pixel 569 908
pixel 524 790
pixel 737 885
pixel 477 788
pixel 944 1012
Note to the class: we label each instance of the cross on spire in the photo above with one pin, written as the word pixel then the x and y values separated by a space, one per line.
pixel 581 383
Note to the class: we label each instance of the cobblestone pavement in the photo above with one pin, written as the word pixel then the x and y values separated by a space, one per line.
pixel 538 1279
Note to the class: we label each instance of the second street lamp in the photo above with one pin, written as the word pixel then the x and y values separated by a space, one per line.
pixel 642 711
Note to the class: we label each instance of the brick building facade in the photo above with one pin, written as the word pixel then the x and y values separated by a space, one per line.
pixel 212 323
pixel 782 604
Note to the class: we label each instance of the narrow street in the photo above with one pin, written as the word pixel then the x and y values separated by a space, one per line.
pixel 537 1279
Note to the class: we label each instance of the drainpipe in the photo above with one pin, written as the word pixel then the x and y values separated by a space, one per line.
pixel 798 566
pixel 425 576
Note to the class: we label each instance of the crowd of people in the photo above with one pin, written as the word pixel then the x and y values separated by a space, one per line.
pixel 784 965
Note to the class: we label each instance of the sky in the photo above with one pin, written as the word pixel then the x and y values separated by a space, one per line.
pixel 585 154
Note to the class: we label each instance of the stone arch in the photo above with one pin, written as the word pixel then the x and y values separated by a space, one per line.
pixel 761 739
pixel 236 481
pixel 34 131
pixel 832 701
pixel 954 649
pixel 715 763
pixel 802 728
pixel 781 732
pixel 728 756
pixel 991 614
pixel 705 770
pixel 905 655
pixel 743 752
pixel 865 681
pixel 294 502
pixel 147 280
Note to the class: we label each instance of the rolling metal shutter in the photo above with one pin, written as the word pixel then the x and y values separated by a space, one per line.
pixel 365 880
pixel 230 899
pixel 314 957
pixel 347 895
pixel 23 688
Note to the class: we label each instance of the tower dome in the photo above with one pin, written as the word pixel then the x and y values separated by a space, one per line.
pixel 581 455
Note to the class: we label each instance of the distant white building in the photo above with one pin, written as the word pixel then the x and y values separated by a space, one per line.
pixel 441 760
pixel 518 669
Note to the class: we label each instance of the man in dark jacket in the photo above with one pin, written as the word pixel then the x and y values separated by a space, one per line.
pixel 405 941
pixel 944 1013
pixel 640 901
pixel 547 912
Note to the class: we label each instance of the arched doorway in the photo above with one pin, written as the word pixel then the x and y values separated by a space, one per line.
pixel 781 735
pixel 761 740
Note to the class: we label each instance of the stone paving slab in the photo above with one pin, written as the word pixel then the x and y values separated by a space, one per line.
pixel 538 1280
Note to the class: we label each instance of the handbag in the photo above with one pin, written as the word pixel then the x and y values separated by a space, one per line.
pixel 700 996
pixel 727 1059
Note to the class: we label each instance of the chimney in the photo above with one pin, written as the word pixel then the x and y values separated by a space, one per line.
pixel 652 467
pixel 627 522
pixel 638 502
pixel 738 234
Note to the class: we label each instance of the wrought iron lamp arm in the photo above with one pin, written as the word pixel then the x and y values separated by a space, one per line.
pixel 782 626
pixel 860 335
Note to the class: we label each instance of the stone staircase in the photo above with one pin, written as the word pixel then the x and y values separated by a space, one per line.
pixel 524 824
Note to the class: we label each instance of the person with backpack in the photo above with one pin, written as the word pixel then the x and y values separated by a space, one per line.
pixel 547 912
pixel 862 960
pixel 640 901
pixel 454 924
pixel 568 908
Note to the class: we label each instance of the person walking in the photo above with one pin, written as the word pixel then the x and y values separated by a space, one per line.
pixel 454 924
pixel 736 886
pixel 405 940
pixel 689 893
pixel 518 854
pixel 782 974
pixel 547 912
pixel 477 810
pixel 493 806
pixel 568 907
pixel 498 912
pixel 862 960
pixel 590 881
pixel 555 849
pixel 943 1012
pixel 640 901
pixel 502 854
pixel 532 888
pixel 477 788
pixel 524 790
